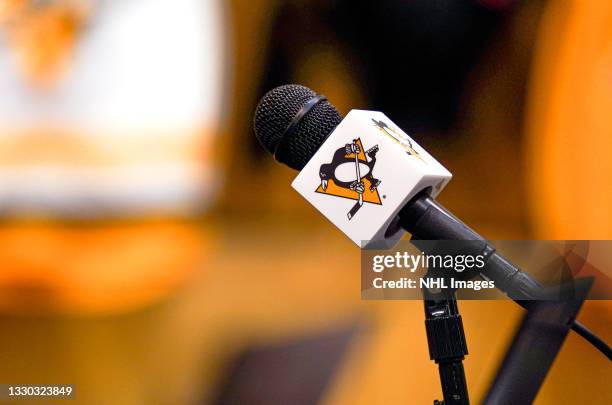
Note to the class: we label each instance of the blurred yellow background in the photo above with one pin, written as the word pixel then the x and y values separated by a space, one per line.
pixel 145 246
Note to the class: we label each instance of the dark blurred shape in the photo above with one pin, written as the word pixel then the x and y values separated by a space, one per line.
pixel 535 346
pixel 277 111
pixel 296 373
pixel 417 54
pixel 412 56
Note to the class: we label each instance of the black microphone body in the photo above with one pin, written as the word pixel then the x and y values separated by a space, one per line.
pixel 425 219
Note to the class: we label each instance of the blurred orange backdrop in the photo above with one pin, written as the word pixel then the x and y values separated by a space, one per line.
pixel 152 305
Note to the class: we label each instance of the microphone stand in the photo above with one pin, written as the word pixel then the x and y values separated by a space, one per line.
pixel 445 339
pixel 447 345
pixel 427 220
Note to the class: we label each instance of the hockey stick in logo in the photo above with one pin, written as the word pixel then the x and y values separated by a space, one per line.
pixel 358 187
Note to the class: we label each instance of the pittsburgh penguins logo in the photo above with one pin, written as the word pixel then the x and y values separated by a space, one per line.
pixel 398 137
pixel 349 175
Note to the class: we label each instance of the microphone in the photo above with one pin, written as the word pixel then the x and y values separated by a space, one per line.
pixel 390 179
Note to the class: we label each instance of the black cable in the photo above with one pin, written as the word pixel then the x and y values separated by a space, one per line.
pixel 583 331
pixel 592 339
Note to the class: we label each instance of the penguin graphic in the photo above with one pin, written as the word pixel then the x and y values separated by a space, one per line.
pixel 348 172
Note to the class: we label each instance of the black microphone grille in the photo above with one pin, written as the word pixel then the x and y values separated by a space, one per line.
pixel 292 122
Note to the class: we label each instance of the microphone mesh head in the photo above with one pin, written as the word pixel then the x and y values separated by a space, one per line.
pixel 275 112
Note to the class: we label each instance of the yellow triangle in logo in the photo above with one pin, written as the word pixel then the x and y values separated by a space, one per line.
pixel 335 190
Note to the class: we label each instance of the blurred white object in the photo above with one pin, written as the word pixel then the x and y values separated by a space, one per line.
pixel 128 129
